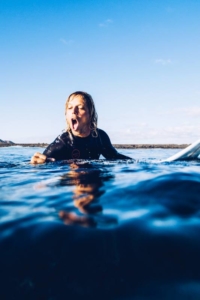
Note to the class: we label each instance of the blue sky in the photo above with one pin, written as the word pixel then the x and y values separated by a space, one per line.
pixel 138 59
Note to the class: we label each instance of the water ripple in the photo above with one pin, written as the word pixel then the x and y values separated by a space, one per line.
pixel 99 229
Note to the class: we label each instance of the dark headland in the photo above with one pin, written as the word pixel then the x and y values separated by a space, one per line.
pixel 118 146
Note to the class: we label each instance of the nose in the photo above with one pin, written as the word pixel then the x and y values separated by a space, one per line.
pixel 75 111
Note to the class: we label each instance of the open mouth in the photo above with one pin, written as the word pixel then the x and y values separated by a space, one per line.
pixel 74 124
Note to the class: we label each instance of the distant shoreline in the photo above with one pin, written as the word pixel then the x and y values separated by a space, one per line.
pixel 118 146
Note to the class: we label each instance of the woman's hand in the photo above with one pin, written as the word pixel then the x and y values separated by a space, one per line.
pixel 39 158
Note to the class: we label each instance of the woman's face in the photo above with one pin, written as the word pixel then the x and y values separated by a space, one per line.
pixel 78 117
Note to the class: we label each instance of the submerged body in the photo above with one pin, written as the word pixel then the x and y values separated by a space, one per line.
pixel 69 146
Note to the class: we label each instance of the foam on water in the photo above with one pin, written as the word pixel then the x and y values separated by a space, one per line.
pixel 99 229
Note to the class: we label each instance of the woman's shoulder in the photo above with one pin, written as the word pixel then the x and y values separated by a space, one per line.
pixel 63 139
pixel 64 135
pixel 103 135
pixel 101 132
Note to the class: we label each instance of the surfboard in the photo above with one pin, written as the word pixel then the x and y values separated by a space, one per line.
pixel 192 152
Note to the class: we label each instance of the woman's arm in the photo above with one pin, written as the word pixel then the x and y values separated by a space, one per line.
pixel 55 151
pixel 39 158
pixel 107 149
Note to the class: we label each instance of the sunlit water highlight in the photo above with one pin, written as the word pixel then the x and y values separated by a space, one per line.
pixel 99 229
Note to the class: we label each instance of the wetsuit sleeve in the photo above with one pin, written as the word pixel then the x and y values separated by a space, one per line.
pixel 57 149
pixel 107 149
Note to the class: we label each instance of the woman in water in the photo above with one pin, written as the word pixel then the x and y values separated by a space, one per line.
pixel 82 139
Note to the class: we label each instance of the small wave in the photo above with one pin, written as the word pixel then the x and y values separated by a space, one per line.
pixel 7 165
pixel 99 229
pixel 17 146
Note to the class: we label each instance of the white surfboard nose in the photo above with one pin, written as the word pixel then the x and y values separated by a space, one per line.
pixel 189 153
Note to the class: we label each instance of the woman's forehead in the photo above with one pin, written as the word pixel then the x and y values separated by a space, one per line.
pixel 76 99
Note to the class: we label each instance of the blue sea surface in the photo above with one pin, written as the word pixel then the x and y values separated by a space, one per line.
pixel 99 229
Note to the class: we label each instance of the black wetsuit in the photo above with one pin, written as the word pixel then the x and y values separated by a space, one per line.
pixel 68 146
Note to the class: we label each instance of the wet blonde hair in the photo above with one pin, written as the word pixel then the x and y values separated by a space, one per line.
pixel 91 107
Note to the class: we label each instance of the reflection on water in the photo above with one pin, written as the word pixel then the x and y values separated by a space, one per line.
pixel 88 187
pixel 99 229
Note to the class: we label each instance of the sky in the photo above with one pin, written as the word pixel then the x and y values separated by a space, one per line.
pixel 139 59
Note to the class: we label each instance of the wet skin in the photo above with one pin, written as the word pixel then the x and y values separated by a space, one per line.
pixel 78 117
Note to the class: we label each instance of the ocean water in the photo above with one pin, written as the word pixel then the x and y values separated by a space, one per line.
pixel 99 229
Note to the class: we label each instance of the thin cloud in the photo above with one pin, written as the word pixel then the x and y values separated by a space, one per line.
pixel 171 134
pixel 193 111
pixel 106 23
pixel 163 62
pixel 66 42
